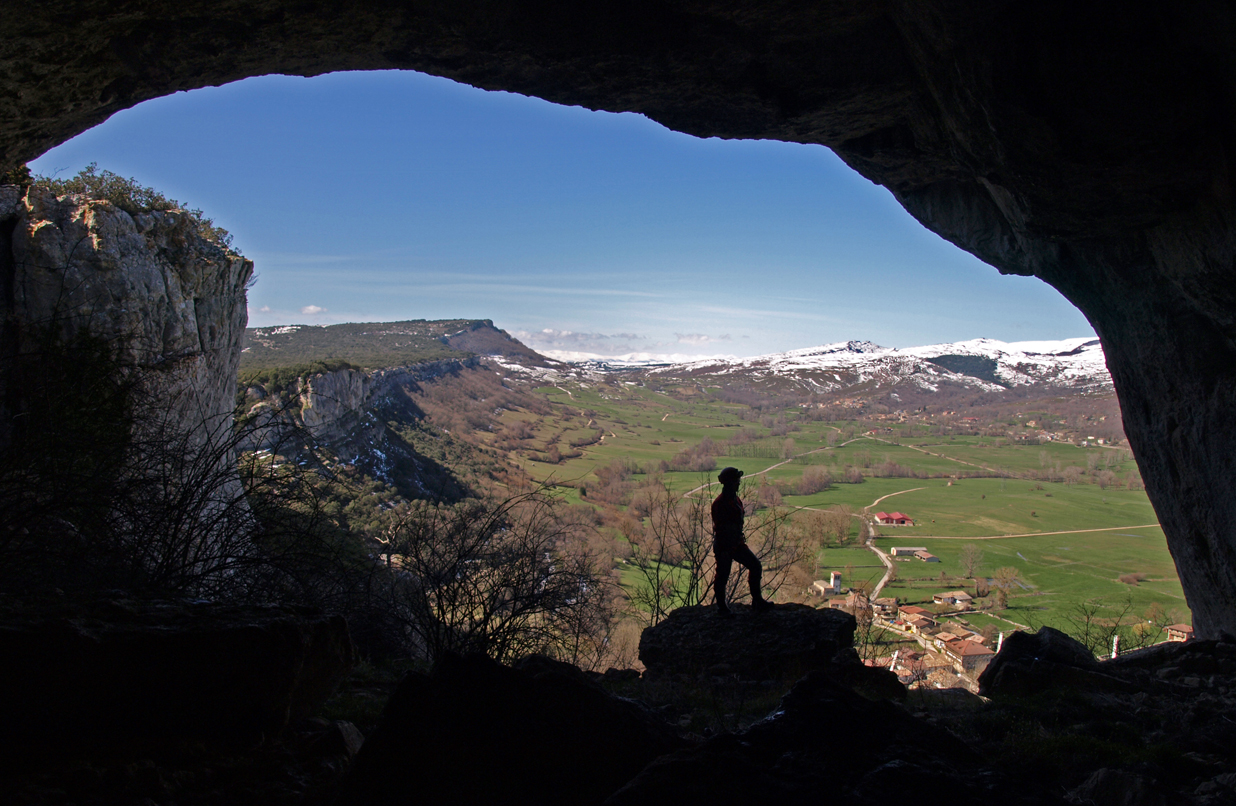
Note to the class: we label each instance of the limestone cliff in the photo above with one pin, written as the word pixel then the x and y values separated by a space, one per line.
pixel 119 341
pixel 329 402
pixel 365 418
pixel 169 300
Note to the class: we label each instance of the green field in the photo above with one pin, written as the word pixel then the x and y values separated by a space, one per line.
pixel 960 490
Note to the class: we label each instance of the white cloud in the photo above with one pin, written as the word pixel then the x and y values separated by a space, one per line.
pixel 700 338
pixel 600 343
pixel 310 310
pixel 264 309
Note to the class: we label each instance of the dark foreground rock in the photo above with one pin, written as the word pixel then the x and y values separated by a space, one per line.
pixel 826 743
pixel 1154 726
pixel 124 678
pixel 475 732
pixel 1047 659
pixel 783 643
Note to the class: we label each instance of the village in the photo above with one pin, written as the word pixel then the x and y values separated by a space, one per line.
pixel 933 646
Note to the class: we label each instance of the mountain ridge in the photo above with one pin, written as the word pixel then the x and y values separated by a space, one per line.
pixel 986 365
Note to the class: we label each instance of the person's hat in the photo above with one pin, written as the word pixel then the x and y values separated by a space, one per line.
pixel 729 474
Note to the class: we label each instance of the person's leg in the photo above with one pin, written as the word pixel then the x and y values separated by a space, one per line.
pixel 722 576
pixel 746 556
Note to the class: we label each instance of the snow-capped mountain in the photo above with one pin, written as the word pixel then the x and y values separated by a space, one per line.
pixel 980 365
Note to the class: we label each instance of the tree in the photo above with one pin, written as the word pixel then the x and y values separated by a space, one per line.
pixel 778 548
pixel 1005 580
pixel 768 496
pixel 673 554
pixel 502 577
pixel 1147 631
pixel 838 519
pixel 1095 624
pixel 815 479
pixel 971 559
pixel 866 629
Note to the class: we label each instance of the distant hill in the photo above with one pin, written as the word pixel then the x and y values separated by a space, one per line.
pixel 376 345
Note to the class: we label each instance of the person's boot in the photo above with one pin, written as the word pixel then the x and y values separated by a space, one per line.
pixel 760 605
pixel 723 611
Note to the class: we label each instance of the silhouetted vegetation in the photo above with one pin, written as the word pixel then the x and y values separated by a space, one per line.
pixel 129 195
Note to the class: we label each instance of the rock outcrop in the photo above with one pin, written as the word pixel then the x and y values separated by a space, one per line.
pixel 783 643
pixel 826 742
pixel 171 300
pixel 1155 725
pixel 119 345
pixel 1090 146
pixel 472 731
pixel 329 403
pixel 1048 659
pixel 132 679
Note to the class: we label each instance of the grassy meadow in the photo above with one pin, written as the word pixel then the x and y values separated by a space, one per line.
pixel 1070 542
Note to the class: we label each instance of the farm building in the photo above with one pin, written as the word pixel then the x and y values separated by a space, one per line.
pixel 968 657
pixel 909 611
pixel 894 519
pixel 927 556
pixel 954 633
pixel 906 551
pixel 1179 632
pixel 916 619
pixel 885 606
pixel 958 599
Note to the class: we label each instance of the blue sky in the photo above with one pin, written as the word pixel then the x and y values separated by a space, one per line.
pixel 387 196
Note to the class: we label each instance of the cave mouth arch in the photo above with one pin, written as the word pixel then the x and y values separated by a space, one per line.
pixel 1091 147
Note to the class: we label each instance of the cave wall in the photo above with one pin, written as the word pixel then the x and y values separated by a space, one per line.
pixel 1087 144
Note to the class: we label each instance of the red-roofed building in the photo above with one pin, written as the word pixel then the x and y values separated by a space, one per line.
pixel 1179 632
pixel 968 657
pixel 916 619
pixel 893 519
pixel 910 611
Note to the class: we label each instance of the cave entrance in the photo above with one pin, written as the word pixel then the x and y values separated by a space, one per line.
pixel 394 195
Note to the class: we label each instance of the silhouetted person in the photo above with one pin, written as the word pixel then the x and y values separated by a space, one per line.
pixel 729 544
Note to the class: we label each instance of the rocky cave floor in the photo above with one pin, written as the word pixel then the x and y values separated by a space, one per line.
pixel 1156 728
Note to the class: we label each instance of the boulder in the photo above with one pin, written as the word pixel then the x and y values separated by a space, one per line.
pixel 125 677
pixel 782 643
pixel 1108 787
pixel 1029 663
pixel 824 742
pixel 475 732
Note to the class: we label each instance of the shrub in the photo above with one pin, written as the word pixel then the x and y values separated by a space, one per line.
pixel 129 195
pixel 17 176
